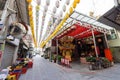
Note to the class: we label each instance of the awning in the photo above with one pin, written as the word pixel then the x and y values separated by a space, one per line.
pixel 112 18
pixel 79 23
pixel 79 31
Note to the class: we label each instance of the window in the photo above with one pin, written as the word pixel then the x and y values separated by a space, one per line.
pixel 112 36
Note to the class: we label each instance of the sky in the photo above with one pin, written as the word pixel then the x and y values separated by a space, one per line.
pixel 99 7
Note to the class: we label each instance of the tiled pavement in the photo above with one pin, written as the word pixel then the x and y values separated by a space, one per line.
pixel 45 70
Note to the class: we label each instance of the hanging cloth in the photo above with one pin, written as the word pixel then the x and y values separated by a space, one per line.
pixel 108 54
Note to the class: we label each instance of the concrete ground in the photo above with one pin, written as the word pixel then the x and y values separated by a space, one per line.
pixel 45 70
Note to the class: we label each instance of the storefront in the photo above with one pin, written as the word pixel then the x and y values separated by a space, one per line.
pixel 81 40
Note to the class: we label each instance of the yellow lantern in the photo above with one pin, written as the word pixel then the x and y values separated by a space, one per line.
pixel 37 7
pixel 62 23
pixel 31 22
pixel 30 7
pixel 74 4
pixel 31 19
pixel 64 20
pixel 71 10
pixel 30 13
pixel 77 1
pixel 29 1
pixel 66 16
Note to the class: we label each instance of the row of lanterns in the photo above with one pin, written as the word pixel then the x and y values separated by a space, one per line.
pixel 74 4
pixel 37 21
pixel 59 16
pixel 49 26
pixel 30 8
pixel 43 18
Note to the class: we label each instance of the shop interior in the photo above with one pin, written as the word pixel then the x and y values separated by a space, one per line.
pixel 81 45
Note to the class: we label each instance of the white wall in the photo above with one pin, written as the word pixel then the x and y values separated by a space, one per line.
pixel 8 20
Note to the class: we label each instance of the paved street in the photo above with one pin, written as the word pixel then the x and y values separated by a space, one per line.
pixel 45 70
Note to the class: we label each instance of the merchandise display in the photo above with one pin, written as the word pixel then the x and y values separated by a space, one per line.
pixel 66 47
pixel 14 72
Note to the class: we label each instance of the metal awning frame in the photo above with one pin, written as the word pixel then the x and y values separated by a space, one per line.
pixel 89 22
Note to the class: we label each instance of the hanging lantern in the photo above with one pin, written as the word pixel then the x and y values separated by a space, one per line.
pixel 62 23
pixel 44 12
pixel 29 1
pixel 47 2
pixel 38 2
pixel 31 23
pixel 56 22
pixel 67 2
pixel 45 8
pixel 77 1
pixel 74 4
pixel 71 10
pixel 44 16
pixel 60 14
pixel 30 13
pixel 30 7
pixel 66 16
pixel 64 19
pixel 64 8
pixel 57 4
pixel 37 7
pixel 54 10
pixel 31 18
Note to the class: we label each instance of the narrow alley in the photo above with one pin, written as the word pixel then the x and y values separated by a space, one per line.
pixel 45 70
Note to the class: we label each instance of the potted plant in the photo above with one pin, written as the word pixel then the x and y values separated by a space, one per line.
pixel 59 59
pixel 94 63
pixel 105 62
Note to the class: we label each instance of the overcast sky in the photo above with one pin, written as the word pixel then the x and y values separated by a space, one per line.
pixel 99 7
